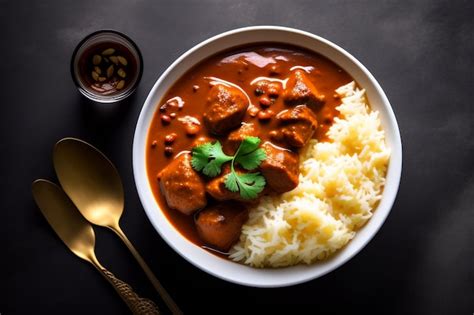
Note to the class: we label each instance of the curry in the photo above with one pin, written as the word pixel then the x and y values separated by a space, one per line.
pixel 282 95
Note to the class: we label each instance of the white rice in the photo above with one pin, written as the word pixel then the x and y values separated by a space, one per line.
pixel 341 182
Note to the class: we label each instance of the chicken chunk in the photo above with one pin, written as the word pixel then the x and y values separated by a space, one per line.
pixel 202 140
pixel 237 136
pixel 183 188
pixel 226 107
pixel 301 91
pixel 217 190
pixel 280 168
pixel 220 225
pixel 216 187
pixel 297 126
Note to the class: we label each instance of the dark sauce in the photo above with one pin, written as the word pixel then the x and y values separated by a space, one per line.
pixel 107 84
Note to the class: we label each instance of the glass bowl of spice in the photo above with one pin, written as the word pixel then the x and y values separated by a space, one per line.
pixel 106 66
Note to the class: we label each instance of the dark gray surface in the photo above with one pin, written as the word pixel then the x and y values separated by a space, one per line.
pixel 420 262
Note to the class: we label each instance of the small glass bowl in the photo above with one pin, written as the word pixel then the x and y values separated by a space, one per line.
pixel 105 36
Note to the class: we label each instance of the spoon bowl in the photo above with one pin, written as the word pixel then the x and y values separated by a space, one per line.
pixel 90 180
pixel 62 215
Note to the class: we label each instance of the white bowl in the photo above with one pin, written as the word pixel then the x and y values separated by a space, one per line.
pixel 226 269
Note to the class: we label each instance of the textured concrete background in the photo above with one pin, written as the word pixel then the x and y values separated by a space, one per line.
pixel 421 261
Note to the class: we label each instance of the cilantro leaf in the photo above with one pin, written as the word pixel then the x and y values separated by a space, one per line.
pixel 248 145
pixel 251 160
pixel 252 185
pixel 200 156
pixel 248 184
pixel 209 158
pixel 231 182
pixel 248 155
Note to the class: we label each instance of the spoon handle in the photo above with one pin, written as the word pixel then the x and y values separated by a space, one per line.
pixel 138 305
pixel 156 283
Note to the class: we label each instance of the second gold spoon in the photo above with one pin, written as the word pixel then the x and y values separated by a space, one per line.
pixel 79 237
pixel 92 182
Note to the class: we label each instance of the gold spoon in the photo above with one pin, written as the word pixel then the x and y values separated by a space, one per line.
pixel 93 183
pixel 79 237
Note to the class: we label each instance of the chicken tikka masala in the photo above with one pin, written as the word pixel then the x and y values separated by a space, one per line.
pixel 230 130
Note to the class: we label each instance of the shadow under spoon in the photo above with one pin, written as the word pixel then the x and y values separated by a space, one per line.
pixel 93 183
pixel 79 237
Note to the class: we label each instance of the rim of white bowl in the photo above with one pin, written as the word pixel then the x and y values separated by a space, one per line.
pixel 239 273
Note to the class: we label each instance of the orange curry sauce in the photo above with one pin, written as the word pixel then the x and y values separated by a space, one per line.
pixel 240 66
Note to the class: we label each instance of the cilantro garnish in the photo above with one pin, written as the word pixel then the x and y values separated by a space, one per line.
pixel 208 158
